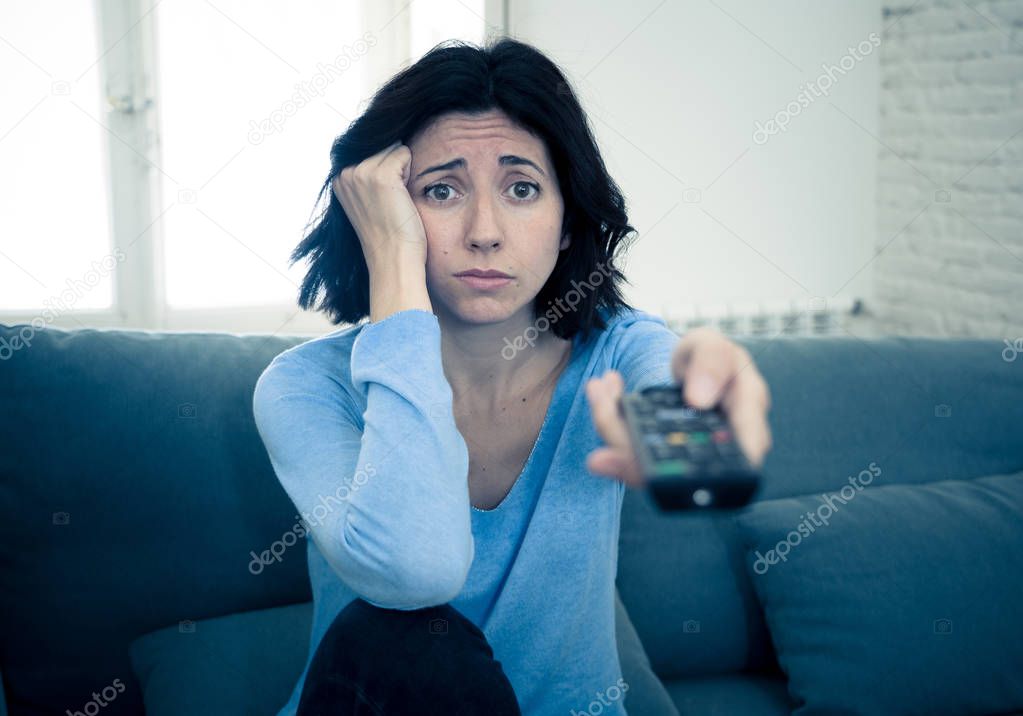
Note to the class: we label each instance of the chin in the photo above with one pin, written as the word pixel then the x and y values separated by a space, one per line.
pixel 465 305
pixel 483 311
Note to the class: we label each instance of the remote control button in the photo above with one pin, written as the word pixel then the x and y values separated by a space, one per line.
pixel 676 438
pixel 713 417
pixel 662 452
pixel 661 397
pixel 728 448
pixel 702 497
pixel 670 467
pixel 722 436
pixel 700 453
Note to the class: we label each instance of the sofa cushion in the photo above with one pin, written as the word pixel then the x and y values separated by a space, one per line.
pixel 729 695
pixel 248 663
pixel 646 695
pixel 244 663
pixel 898 599
pixel 694 607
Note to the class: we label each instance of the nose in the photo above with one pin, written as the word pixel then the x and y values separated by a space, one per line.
pixel 491 244
pixel 483 231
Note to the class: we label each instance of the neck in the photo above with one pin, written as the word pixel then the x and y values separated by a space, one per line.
pixel 492 363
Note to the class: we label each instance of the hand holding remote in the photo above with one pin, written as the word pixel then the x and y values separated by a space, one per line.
pixel 687 456
pixel 702 354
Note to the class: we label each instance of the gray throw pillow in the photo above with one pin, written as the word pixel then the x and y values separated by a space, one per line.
pixel 901 599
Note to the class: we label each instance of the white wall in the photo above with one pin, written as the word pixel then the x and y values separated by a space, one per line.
pixel 952 121
pixel 674 91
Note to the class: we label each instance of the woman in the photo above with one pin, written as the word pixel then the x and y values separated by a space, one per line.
pixel 464 518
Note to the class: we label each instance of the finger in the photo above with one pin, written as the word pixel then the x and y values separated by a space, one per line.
pixel 400 159
pixel 705 362
pixel 617 460
pixel 746 404
pixel 385 153
pixel 603 394
pixel 396 154
pixel 612 463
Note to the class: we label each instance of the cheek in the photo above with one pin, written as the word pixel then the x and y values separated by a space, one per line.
pixel 441 242
pixel 437 233
pixel 553 243
pixel 440 228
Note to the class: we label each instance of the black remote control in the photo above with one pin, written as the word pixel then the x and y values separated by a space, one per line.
pixel 688 455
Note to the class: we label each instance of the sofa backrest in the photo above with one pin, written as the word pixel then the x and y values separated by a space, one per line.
pixel 135 490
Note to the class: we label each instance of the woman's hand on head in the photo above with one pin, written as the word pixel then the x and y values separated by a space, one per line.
pixel 375 197
pixel 714 371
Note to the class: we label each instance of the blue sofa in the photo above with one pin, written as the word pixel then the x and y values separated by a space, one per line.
pixel 137 499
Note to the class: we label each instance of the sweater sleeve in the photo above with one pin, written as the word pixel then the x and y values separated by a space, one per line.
pixel 643 349
pixel 397 523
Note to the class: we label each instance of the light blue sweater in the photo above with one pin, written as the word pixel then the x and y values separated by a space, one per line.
pixel 359 427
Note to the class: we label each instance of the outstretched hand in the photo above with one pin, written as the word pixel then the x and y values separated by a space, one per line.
pixel 714 371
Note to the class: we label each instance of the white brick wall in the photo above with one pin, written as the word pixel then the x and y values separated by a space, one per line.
pixel 951 119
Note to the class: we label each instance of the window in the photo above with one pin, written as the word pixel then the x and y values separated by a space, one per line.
pixel 241 180
pixel 178 149
pixel 54 193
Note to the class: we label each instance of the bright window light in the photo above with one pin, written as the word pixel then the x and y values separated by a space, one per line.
pixel 251 97
pixel 55 239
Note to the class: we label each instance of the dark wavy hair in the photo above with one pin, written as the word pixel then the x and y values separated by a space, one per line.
pixel 457 76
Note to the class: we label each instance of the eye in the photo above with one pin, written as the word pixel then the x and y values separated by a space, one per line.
pixel 516 187
pixel 535 187
pixel 439 185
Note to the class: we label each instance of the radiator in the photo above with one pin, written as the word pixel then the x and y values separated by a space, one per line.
pixel 814 317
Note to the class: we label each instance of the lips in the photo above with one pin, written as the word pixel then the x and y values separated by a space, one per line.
pixel 483 273
pixel 484 283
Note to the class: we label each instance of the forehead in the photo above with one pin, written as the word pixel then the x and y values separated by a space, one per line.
pixel 468 134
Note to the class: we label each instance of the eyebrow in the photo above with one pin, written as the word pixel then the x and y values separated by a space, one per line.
pixel 460 163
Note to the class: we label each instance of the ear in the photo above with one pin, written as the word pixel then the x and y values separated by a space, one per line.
pixel 565 241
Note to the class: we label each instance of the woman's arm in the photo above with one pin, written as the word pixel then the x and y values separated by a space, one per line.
pixel 388 506
pixel 641 350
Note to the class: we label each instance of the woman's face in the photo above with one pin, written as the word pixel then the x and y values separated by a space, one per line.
pixel 489 199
